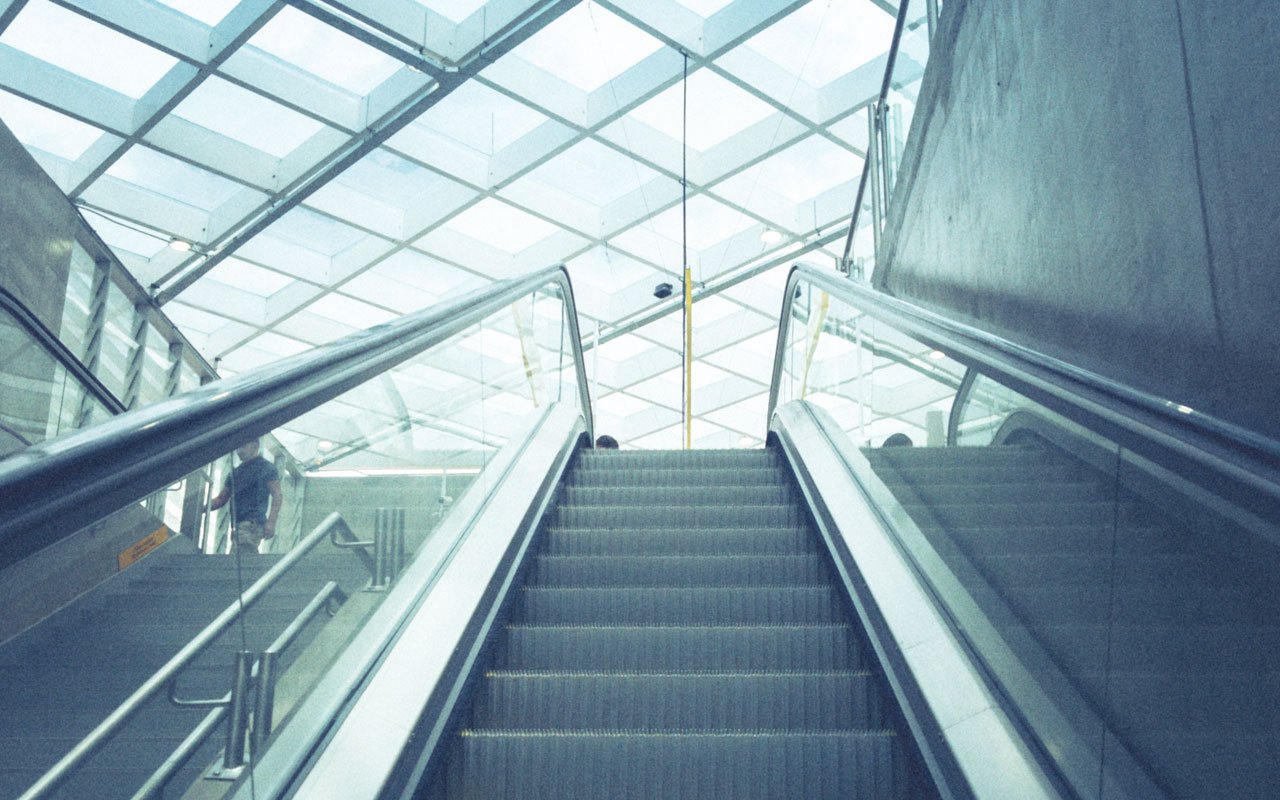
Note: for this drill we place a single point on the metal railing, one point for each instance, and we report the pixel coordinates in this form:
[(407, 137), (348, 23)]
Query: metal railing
[(164, 677), (1201, 447), (56, 488)]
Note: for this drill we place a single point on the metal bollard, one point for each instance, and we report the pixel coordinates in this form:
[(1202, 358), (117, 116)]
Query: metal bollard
[(238, 713)]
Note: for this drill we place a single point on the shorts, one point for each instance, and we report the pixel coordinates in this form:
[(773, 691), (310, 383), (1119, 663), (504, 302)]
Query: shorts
[(249, 535)]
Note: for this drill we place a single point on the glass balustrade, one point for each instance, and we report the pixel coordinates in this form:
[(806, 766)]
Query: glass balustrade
[(1127, 615)]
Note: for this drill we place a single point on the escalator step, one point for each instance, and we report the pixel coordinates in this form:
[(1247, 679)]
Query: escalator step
[(751, 476), (539, 765), (663, 516), (676, 570), (679, 541), (625, 460), (681, 496), (727, 605), (684, 701), (664, 648)]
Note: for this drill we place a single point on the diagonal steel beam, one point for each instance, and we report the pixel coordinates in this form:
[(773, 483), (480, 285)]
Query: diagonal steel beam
[(516, 32), (9, 11)]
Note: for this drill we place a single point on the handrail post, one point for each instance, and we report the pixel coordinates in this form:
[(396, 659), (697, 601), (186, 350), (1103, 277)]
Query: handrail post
[(388, 547), (264, 699), (233, 759)]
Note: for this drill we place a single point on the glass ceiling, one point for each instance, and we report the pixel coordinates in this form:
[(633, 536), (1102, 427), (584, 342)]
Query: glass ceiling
[(335, 163)]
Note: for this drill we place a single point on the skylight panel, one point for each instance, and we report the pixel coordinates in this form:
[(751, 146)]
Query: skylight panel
[(277, 345), (710, 222), (222, 107), (594, 172), (350, 312), (502, 226), (625, 348), (125, 239), (799, 173), (191, 319), (481, 118), (717, 110), (324, 51), (251, 278), (456, 10), (712, 309), (83, 47), (587, 47), (315, 231), (620, 405), (704, 8), (210, 12), (172, 178), (824, 40), (42, 129)]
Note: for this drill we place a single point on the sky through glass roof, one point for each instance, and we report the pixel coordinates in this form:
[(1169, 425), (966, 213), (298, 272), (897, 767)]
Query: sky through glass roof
[(566, 147)]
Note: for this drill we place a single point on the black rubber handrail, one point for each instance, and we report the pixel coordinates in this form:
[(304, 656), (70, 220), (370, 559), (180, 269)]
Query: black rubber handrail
[(58, 351), (49, 491), (1198, 446)]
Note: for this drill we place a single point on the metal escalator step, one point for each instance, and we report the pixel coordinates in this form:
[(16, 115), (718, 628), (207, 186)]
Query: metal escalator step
[(1018, 474), (676, 459), (1032, 513), (663, 648), (676, 570), (786, 515), (680, 541), (721, 605), (1061, 539), (986, 493), (742, 701), (707, 476), (1194, 648), (683, 496), (1096, 569), (935, 457), (541, 765)]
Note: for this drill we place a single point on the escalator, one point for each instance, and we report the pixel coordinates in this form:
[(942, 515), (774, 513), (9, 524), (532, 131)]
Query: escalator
[(1166, 622), (1062, 590), (680, 634)]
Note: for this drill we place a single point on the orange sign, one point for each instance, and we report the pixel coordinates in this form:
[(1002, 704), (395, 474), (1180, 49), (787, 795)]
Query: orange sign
[(143, 546)]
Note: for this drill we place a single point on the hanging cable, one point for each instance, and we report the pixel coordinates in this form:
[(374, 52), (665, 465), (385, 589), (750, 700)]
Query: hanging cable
[(687, 377)]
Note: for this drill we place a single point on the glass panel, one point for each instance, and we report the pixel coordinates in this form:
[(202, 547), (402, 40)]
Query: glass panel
[(117, 343), (412, 440), (74, 328), (41, 398), (1127, 615), (154, 370)]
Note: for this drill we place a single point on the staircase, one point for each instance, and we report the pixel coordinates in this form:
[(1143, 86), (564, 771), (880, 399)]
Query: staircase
[(66, 675), (1160, 624), (680, 636)]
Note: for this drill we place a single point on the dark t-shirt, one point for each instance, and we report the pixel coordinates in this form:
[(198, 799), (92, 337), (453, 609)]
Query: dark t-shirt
[(250, 481)]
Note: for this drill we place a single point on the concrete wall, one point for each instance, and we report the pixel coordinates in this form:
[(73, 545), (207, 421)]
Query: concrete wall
[(37, 227), (1099, 180)]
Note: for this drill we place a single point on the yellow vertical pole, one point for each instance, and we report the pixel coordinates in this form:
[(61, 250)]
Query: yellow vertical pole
[(688, 358)]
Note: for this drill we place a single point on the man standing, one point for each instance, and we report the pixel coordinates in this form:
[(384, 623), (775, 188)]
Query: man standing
[(251, 485)]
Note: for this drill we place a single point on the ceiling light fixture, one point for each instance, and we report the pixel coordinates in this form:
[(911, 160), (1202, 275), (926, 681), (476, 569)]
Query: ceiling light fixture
[(770, 236), (937, 355), (181, 245)]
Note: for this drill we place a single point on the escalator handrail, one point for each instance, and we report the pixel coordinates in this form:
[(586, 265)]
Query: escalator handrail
[(50, 491), (59, 351), (1214, 444)]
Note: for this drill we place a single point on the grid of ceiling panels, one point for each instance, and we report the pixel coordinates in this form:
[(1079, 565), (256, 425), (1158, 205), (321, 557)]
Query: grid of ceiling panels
[(336, 163)]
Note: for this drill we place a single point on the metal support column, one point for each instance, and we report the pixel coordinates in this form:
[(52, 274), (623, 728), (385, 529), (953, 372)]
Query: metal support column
[(95, 332)]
